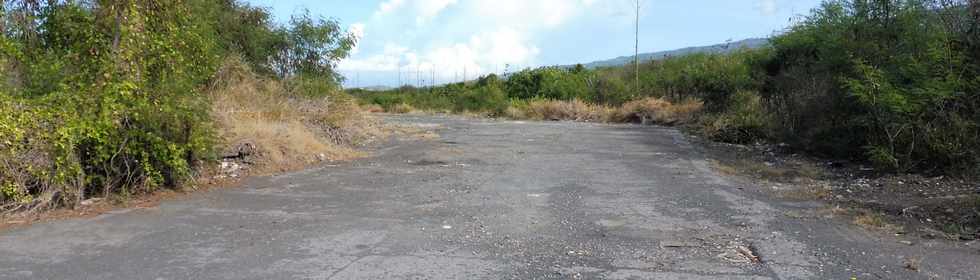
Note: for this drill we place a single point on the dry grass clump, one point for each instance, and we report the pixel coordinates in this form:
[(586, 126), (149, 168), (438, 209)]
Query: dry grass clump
[(660, 111), (575, 110), (288, 131), (373, 108), (516, 113), (875, 221), (402, 109)]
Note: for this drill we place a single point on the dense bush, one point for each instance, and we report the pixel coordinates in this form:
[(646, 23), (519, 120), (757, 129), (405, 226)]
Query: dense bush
[(895, 80), (493, 94), (743, 121), (550, 83), (108, 96), (489, 98), (710, 77)]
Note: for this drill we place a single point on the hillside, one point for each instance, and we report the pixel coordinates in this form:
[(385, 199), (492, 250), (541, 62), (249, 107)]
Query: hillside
[(752, 43)]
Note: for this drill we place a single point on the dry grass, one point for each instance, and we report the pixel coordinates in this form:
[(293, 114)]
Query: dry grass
[(554, 110), (402, 109), (785, 173), (658, 110), (373, 108), (796, 181), (516, 113), (575, 110), (287, 131), (807, 192), (875, 221)]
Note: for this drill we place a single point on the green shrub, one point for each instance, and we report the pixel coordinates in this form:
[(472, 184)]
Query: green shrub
[(743, 122), (894, 80), (490, 99), (709, 77), (108, 97)]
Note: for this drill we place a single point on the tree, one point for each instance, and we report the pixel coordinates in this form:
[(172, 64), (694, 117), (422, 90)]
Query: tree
[(312, 47)]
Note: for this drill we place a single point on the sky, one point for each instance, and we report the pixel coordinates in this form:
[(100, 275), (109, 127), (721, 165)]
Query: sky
[(445, 39)]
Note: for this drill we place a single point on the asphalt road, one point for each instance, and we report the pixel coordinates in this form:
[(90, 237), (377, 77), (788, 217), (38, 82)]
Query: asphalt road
[(486, 200)]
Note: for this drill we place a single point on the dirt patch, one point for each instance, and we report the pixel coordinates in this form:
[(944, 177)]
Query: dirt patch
[(937, 207), (929, 207)]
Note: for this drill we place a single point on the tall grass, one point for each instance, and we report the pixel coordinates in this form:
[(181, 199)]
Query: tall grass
[(288, 129)]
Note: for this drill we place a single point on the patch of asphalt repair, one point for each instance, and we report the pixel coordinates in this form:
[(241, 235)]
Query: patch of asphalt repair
[(486, 200)]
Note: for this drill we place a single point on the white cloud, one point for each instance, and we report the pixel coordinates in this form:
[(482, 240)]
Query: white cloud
[(767, 7), (430, 8), (482, 54), (477, 37), (390, 59), (389, 6), (539, 13), (357, 30), (422, 10), (505, 46)]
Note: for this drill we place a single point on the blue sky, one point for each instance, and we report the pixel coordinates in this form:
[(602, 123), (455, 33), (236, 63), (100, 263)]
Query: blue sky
[(445, 38)]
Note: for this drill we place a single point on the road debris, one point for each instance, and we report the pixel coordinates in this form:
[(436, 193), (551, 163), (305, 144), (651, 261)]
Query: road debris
[(912, 264), (740, 253), (676, 244)]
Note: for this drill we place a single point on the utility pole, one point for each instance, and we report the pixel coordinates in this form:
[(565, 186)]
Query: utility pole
[(636, 50)]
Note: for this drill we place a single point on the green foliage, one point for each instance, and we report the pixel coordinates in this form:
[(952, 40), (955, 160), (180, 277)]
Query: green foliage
[(892, 78), (492, 94), (488, 98), (242, 29), (550, 83), (313, 47), (743, 121), (107, 96), (710, 77)]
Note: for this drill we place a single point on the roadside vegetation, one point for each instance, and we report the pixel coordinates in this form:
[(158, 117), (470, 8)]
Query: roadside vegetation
[(115, 98), (895, 83)]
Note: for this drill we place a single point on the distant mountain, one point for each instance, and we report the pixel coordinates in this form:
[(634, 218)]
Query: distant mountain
[(377, 88), (753, 43)]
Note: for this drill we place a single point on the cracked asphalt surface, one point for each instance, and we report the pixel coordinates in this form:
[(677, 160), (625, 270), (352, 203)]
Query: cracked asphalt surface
[(486, 200)]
